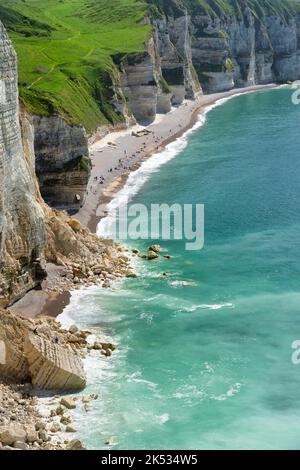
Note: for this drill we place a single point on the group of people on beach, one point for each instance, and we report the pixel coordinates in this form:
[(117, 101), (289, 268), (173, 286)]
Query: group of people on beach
[(126, 162)]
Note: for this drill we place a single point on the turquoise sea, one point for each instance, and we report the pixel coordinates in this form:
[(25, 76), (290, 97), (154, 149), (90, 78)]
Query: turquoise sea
[(208, 366)]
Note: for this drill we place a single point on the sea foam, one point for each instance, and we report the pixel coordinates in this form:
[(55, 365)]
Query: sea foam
[(138, 178)]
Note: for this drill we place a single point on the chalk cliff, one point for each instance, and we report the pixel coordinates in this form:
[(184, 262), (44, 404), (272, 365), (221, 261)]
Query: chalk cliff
[(62, 161), (163, 75), (22, 235), (188, 52), (191, 51), (238, 51)]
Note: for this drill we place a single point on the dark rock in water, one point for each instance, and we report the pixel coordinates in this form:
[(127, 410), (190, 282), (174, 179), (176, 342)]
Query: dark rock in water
[(155, 248), (152, 255)]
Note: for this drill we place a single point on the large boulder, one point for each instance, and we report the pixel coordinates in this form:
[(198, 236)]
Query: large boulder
[(12, 433), (39, 351), (53, 366)]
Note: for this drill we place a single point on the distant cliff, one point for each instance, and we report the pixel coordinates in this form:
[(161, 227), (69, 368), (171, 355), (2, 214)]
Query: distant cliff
[(195, 48)]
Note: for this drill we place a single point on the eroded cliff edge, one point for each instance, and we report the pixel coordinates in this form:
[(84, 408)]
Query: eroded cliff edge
[(22, 229)]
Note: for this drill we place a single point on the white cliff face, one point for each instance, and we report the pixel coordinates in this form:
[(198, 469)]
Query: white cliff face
[(162, 76), (283, 37), (190, 54), (173, 42), (230, 52), (21, 217), (62, 161), (139, 84)]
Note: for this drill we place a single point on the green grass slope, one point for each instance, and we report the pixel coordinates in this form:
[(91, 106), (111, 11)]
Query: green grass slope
[(65, 50)]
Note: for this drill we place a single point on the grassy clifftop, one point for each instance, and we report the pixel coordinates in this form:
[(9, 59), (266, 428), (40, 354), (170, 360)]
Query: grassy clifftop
[(65, 48)]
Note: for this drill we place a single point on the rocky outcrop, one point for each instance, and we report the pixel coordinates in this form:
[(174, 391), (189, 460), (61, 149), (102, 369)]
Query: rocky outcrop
[(39, 352), (51, 366), (62, 162), (23, 427), (84, 257), (22, 234)]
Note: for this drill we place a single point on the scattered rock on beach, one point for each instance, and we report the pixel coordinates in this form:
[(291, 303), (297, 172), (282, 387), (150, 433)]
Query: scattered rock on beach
[(55, 427), (43, 435), (68, 402), (86, 399), (70, 428), (31, 435), (75, 444), (131, 274), (107, 346), (32, 431), (12, 433), (20, 445), (73, 329), (65, 419), (110, 442), (40, 425), (59, 411)]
